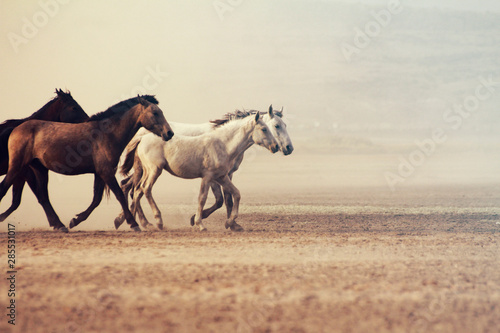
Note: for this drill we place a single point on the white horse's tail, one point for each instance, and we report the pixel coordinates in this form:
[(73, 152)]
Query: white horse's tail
[(128, 163)]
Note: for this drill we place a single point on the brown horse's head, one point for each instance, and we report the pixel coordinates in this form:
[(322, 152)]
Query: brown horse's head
[(151, 118)]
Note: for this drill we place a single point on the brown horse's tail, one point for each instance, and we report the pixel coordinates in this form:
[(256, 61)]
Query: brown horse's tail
[(128, 163), (107, 192)]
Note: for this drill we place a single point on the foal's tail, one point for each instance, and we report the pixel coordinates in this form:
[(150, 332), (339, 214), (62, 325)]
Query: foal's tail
[(128, 163)]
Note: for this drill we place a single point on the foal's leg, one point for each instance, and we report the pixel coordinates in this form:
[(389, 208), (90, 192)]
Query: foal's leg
[(42, 181), (219, 201), (202, 199), (229, 187), (115, 188), (98, 192)]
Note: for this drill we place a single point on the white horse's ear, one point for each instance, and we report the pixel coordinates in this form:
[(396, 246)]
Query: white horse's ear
[(271, 112), (257, 116), (281, 110)]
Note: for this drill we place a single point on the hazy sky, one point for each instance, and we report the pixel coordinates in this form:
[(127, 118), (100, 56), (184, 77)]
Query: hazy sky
[(207, 57)]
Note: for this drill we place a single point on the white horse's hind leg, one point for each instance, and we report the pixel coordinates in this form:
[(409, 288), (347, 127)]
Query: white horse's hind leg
[(228, 186), (138, 193), (202, 199), (154, 207), (149, 178)]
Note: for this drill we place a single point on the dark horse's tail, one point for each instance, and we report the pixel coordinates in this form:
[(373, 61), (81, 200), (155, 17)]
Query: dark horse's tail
[(4, 139), (5, 130), (128, 163)]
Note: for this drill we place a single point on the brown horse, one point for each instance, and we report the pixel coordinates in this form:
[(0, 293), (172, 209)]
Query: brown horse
[(94, 147), (62, 108)]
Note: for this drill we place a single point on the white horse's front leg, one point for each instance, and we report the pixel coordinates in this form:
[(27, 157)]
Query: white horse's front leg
[(228, 186), (202, 199)]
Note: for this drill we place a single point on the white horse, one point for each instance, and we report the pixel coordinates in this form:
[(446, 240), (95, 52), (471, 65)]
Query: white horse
[(273, 120), (210, 156)]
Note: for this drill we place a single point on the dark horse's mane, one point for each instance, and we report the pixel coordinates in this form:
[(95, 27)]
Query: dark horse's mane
[(238, 114), (8, 126), (123, 106), (11, 123)]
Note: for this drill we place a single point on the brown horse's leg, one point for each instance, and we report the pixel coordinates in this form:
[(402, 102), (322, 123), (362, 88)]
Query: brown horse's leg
[(117, 191), (98, 192), (219, 201), (42, 181), (10, 179), (31, 180), (17, 192)]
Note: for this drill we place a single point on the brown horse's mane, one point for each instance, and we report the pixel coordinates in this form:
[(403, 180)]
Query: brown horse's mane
[(238, 114), (123, 106)]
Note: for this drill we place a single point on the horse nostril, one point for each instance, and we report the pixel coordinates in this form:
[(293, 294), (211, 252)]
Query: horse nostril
[(170, 134)]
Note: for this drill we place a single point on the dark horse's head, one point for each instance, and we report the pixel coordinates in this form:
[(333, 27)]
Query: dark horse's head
[(62, 108)]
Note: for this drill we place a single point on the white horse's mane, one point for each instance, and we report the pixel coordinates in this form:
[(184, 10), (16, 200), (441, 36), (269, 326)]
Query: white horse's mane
[(239, 114)]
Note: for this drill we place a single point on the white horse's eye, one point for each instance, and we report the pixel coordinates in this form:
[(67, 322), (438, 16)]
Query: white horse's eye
[(264, 129), (277, 126)]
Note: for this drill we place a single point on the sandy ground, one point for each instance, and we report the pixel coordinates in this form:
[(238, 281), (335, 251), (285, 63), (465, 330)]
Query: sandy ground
[(346, 258)]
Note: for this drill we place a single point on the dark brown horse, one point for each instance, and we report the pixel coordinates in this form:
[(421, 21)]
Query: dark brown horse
[(94, 147), (62, 108)]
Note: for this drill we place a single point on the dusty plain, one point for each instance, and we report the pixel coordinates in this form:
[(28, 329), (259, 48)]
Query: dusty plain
[(327, 247)]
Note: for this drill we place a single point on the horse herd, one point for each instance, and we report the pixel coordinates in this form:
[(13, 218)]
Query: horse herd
[(62, 138)]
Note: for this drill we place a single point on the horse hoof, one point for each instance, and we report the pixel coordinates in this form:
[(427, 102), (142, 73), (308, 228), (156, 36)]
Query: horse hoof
[(136, 229), (192, 220), (203, 229), (160, 226), (148, 226), (236, 227), (118, 223), (64, 230), (72, 224)]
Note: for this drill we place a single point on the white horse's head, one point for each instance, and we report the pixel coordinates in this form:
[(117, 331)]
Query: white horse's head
[(262, 135), (278, 128)]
